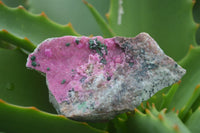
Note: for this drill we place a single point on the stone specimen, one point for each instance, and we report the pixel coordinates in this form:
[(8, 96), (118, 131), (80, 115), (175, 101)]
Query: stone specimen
[(94, 79)]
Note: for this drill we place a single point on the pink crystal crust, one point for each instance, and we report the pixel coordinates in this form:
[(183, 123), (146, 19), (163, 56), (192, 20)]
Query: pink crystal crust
[(72, 63)]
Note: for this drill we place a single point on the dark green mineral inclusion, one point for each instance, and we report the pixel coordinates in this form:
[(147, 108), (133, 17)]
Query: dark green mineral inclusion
[(103, 61), (77, 41), (109, 78), (48, 68), (33, 58), (34, 64), (63, 81), (131, 64), (67, 44)]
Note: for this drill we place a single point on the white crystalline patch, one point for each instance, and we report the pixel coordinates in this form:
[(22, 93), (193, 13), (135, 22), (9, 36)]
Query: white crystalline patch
[(120, 12)]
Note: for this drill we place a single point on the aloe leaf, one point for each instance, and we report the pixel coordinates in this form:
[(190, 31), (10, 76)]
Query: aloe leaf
[(155, 122), (36, 28), (167, 98), (74, 11), (21, 86), (6, 45), (196, 15), (190, 80), (16, 3), (188, 105), (105, 28), (193, 122), (22, 43), (22, 120), (171, 28)]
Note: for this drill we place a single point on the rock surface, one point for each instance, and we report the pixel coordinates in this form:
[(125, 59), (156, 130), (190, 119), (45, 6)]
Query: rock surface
[(94, 79)]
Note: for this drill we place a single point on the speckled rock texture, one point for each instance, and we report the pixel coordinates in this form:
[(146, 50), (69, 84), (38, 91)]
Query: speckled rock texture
[(95, 79)]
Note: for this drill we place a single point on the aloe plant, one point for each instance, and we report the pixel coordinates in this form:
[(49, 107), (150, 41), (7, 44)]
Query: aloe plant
[(24, 105)]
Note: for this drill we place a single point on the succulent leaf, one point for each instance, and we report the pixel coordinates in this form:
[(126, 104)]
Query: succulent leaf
[(22, 43), (167, 98), (188, 105), (191, 79), (193, 122), (74, 11), (16, 3), (173, 29), (37, 28), (30, 119), (156, 122), (105, 28), (196, 14), (21, 86)]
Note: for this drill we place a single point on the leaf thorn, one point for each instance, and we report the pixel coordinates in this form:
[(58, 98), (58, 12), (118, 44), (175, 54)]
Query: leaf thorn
[(34, 108), (4, 30), (21, 7), (160, 117), (2, 101), (43, 14), (176, 128), (107, 15)]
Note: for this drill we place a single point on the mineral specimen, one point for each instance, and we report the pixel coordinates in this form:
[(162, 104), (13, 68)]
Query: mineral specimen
[(94, 79)]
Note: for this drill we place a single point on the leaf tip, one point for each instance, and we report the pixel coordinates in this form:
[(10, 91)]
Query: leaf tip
[(107, 15), (179, 82), (153, 105), (173, 109), (148, 105), (177, 112), (176, 128), (147, 111), (164, 110), (160, 117), (85, 2)]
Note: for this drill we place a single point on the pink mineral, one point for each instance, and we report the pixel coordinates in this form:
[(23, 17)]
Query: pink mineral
[(94, 79)]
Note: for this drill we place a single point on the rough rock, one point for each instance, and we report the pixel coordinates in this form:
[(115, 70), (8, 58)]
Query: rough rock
[(94, 79)]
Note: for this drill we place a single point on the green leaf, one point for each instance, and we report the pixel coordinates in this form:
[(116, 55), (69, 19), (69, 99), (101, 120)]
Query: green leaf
[(189, 81), (15, 3), (36, 28), (23, 120), (193, 122), (74, 11), (105, 28), (188, 105), (169, 22), (22, 43), (155, 122), (196, 14), (19, 85), (167, 98)]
